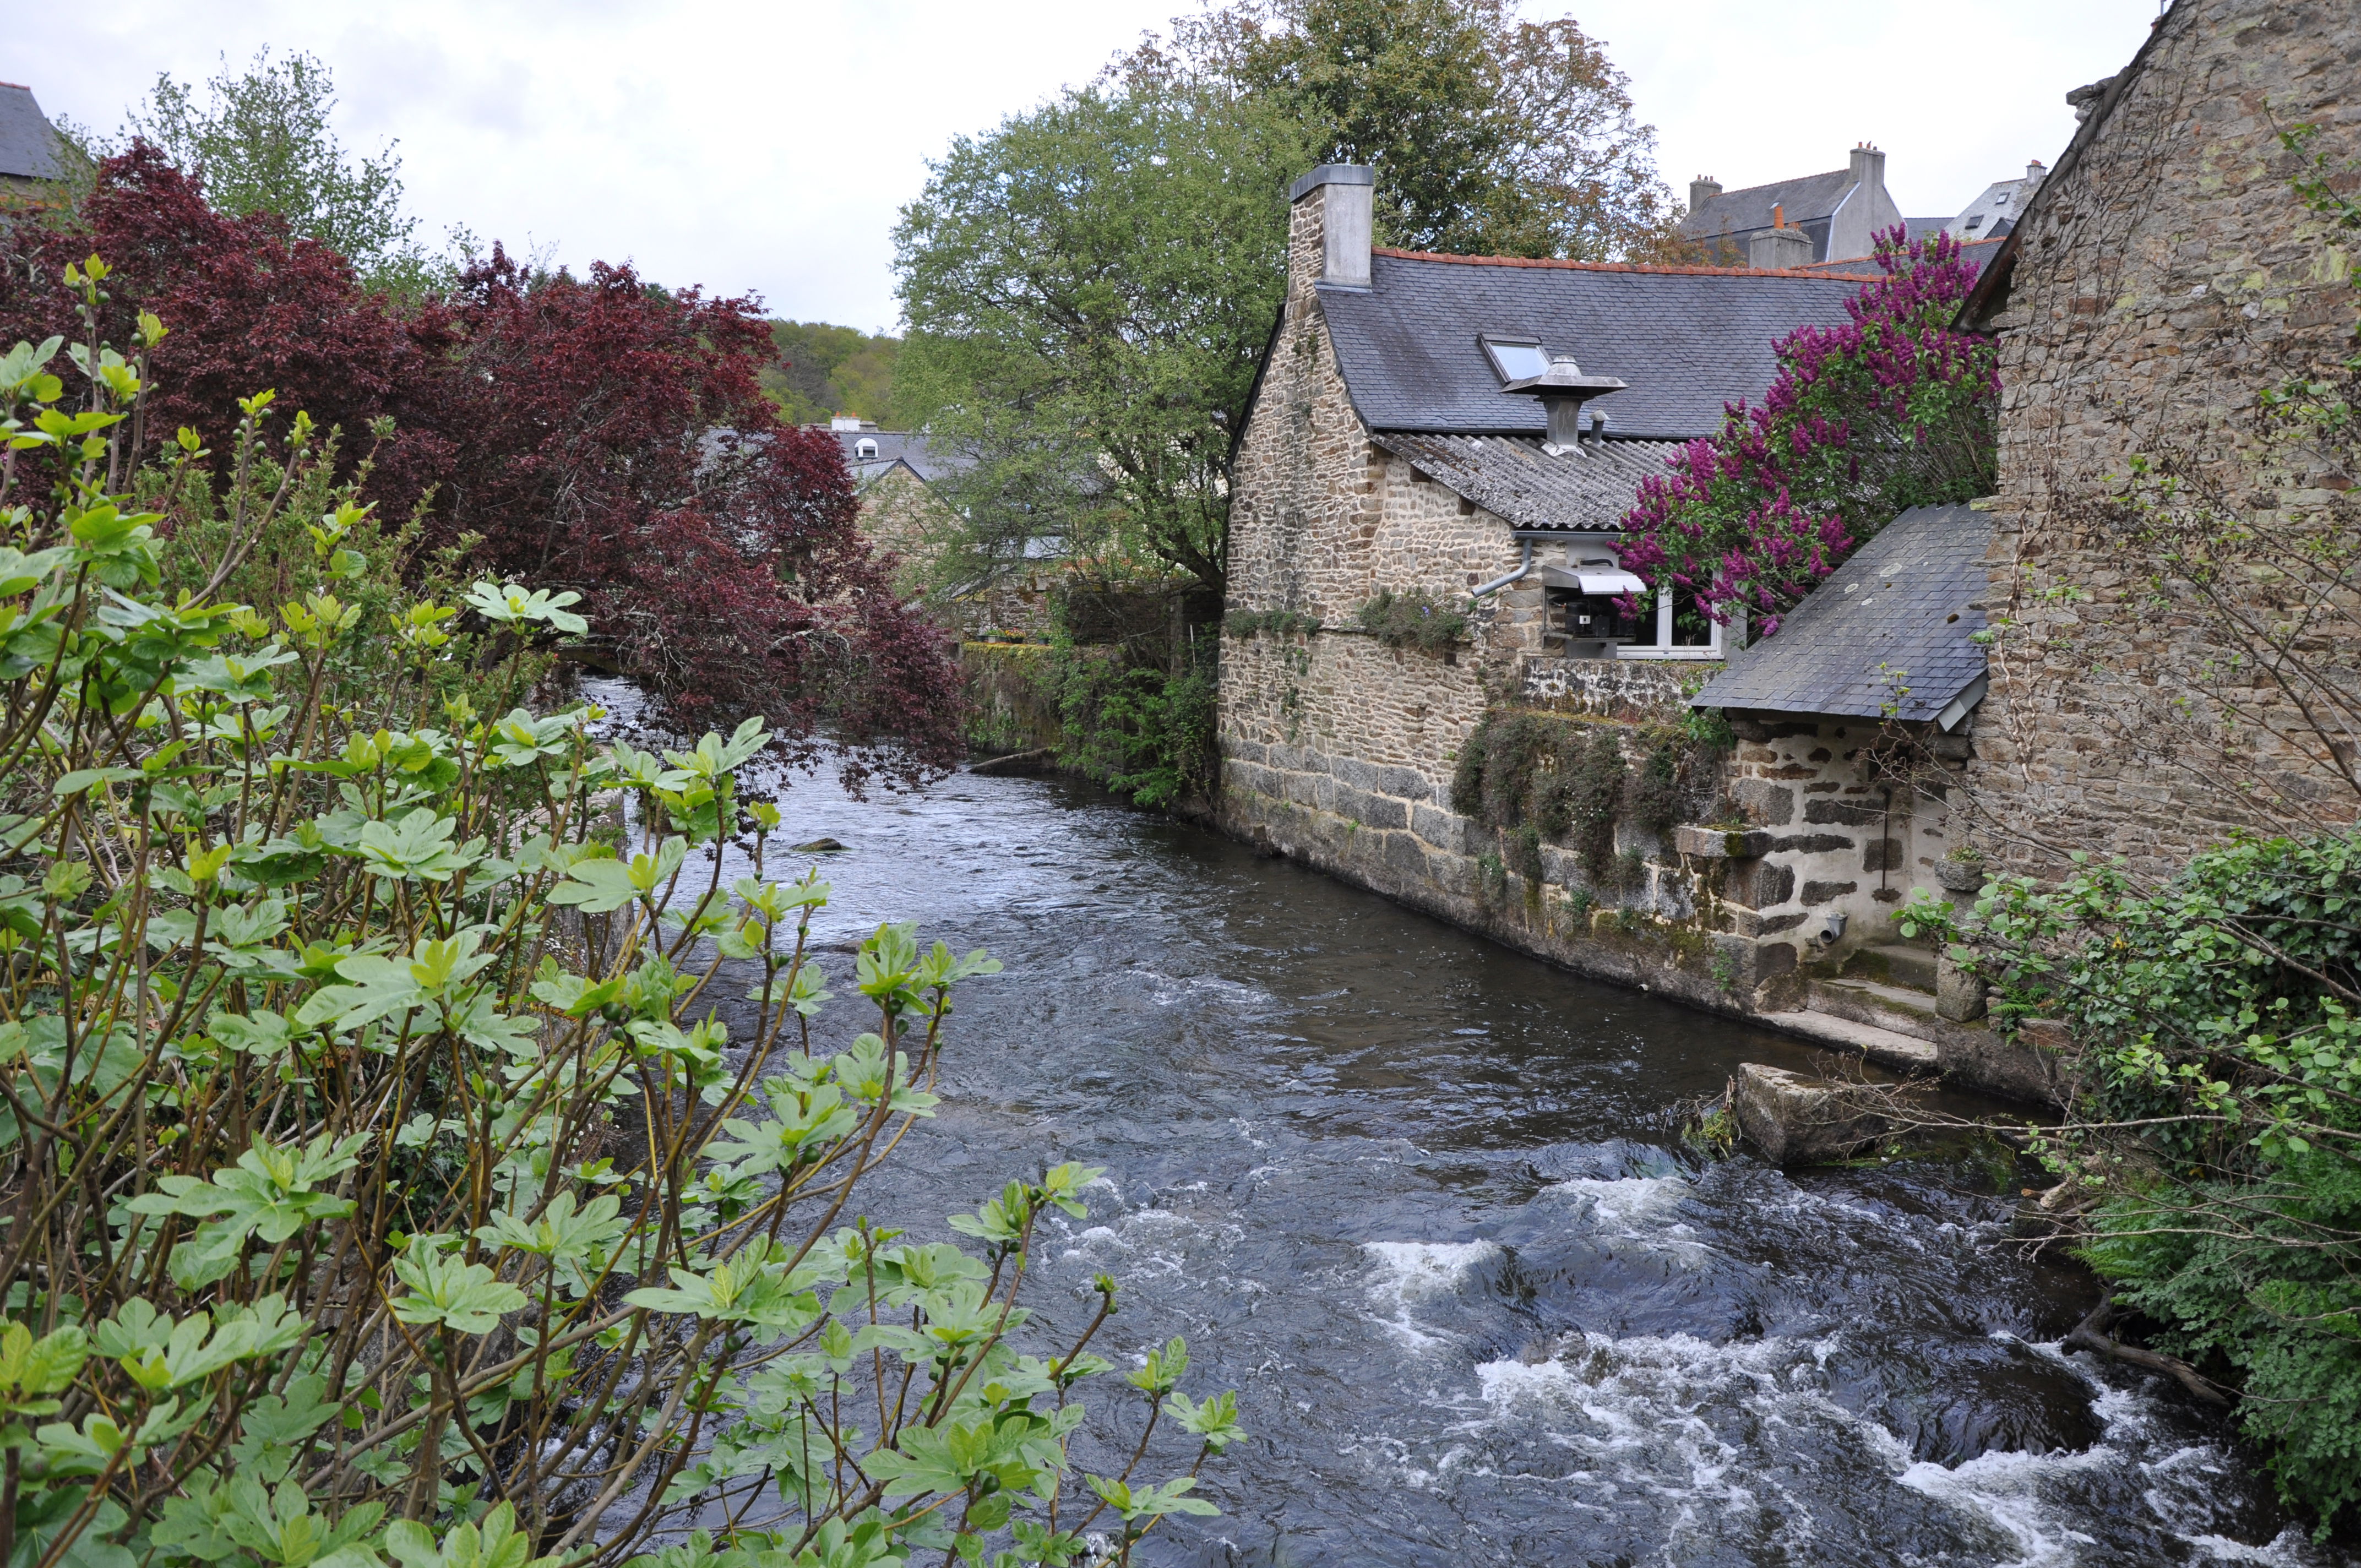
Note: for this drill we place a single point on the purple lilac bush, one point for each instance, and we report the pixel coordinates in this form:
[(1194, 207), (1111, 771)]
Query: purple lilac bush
[(1891, 410)]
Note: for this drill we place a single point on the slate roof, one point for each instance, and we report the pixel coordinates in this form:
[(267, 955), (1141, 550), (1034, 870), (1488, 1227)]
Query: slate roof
[(899, 446), (1689, 339), (1806, 197), (1887, 632), (1511, 476), (1976, 253), (29, 146)]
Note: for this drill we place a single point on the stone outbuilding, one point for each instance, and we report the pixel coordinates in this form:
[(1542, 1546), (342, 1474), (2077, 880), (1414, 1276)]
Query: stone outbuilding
[(1854, 724), (1466, 433)]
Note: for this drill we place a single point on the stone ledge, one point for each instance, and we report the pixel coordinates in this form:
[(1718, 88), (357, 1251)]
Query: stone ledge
[(1883, 1046), (1722, 843)]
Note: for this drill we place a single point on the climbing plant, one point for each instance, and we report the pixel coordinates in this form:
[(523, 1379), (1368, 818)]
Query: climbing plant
[(1412, 618)]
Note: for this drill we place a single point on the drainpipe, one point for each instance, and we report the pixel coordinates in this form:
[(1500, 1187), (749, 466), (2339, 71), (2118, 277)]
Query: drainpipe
[(1503, 581)]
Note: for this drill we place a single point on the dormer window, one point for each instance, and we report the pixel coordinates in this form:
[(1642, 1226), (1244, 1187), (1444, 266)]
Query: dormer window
[(864, 449), (1516, 358)]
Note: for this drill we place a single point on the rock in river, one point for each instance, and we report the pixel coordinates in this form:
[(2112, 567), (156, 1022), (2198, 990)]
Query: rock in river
[(1794, 1119)]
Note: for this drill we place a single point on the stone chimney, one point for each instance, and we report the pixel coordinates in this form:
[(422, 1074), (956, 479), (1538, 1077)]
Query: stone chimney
[(1702, 188), (1866, 210), (2036, 171), (1329, 225), (1781, 245), (1869, 167)]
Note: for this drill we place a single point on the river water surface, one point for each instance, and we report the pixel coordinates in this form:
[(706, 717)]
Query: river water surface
[(1422, 1202)]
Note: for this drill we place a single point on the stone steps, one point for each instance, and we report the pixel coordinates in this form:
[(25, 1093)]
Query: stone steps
[(1893, 1007), (1886, 1048), (1894, 964)]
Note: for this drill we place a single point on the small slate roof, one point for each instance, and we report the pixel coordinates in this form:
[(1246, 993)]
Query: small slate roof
[(28, 145), (1689, 339), (1805, 197), (1886, 635), (1588, 489), (906, 447)]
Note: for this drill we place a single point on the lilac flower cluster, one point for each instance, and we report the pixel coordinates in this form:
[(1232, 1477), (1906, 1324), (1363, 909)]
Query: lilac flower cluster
[(1890, 411)]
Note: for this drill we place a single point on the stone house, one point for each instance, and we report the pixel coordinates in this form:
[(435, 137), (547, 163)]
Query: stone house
[(1473, 430), (1994, 213), (1834, 214), (2165, 276)]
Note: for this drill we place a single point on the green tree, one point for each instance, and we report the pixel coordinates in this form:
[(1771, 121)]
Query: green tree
[(1490, 135), (262, 143), (823, 370), (1088, 288)]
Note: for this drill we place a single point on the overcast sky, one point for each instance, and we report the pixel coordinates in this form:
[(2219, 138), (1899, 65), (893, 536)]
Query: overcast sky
[(767, 147)]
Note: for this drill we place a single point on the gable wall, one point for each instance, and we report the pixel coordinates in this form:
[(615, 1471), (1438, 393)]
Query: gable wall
[(2168, 276), (1332, 745)]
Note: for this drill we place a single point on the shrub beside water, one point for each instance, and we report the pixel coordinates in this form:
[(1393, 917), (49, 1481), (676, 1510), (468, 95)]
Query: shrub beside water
[(2217, 1022), (397, 1166)]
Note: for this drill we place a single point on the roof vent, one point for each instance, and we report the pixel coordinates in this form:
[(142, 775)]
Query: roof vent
[(1562, 389)]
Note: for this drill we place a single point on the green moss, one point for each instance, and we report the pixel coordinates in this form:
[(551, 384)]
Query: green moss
[(1412, 619)]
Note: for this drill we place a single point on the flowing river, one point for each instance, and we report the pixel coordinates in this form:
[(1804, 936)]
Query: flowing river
[(1423, 1202)]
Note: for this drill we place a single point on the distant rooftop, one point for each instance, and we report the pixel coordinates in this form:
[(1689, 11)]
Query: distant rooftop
[(869, 451), (29, 148)]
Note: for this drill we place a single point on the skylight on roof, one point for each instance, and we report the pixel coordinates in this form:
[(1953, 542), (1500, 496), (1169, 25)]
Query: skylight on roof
[(1516, 358)]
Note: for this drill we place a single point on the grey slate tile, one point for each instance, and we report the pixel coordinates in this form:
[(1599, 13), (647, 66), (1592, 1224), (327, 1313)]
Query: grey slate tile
[(1688, 341), (1889, 631)]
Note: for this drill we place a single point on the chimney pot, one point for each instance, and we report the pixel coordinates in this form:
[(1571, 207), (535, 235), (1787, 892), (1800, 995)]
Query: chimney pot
[(1562, 389)]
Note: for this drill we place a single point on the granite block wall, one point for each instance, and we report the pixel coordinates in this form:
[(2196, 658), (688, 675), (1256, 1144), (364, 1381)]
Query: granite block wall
[(2167, 277)]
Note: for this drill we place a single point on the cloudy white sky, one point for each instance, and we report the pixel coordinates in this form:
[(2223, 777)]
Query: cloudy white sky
[(767, 147)]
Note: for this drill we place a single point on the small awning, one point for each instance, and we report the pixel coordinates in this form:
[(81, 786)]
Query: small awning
[(1593, 579)]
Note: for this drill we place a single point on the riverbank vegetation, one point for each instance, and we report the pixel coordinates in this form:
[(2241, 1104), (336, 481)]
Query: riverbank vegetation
[(1122, 692), (409, 1153), (2214, 1149), (1537, 778)]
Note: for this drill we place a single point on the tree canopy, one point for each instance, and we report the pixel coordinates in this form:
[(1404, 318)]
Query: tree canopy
[(821, 370), (1088, 288), (261, 142), (598, 434), (1490, 135), (1090, 285)]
